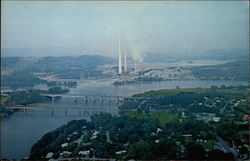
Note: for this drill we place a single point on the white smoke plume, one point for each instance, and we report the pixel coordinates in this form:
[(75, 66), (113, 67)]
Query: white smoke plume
[(133, 45)]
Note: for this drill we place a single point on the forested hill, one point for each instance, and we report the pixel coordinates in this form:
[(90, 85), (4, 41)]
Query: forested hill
[(52, 64), (219, 54), (66, 63), (237, 70), (20, 71)]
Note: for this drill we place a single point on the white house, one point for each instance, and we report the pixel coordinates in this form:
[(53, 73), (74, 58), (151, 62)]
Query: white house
[(49, 155), (87, 152), (94, 135), (64, 145), (121, 152), (216, 119), (65, 153), (159, 130)]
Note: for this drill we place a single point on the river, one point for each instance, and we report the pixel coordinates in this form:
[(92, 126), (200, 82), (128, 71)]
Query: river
[(21, 130)]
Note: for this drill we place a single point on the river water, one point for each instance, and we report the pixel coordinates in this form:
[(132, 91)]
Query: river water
[(21, 130)]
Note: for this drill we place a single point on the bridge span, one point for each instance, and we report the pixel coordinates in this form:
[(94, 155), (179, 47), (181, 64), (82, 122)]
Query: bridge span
[(81, 110), (95, 98)]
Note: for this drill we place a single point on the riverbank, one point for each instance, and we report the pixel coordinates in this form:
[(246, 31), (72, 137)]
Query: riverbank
[(17, 108), (25, 99)]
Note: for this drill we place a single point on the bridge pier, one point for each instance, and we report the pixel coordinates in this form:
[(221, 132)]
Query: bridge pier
[(94, 99), (53, 98), (80, 112), (66, 112), (86, 99), (52, 111), (25, 112)]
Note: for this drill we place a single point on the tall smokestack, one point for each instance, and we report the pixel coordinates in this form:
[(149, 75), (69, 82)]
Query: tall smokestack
[(125, 59), (120, 56)]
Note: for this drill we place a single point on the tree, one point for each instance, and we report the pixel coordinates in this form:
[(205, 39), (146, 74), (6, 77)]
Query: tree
[(219, 155), (167, 149), (195, 152), (133, 138), (143, 150)]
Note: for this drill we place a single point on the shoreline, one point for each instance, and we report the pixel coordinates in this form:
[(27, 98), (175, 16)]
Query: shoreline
[(17, 108)]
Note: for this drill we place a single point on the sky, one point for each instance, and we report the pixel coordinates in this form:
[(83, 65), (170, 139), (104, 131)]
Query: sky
[(185, 27)]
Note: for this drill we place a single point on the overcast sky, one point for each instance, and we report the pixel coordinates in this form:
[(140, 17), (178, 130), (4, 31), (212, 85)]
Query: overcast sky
[(93, 27)]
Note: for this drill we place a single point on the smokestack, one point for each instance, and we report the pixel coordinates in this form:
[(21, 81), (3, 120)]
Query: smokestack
[(125, 59), (120, 56)]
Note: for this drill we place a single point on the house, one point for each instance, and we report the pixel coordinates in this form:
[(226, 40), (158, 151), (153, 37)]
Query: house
[(216, 119), (94, 135), (157, 141), (64, 145), (187, 135), (86, 152), (183, 115), (218, 101), (199, 140), (159, 130), (236, 104), (49, 155), (65, 153), (121, 152)]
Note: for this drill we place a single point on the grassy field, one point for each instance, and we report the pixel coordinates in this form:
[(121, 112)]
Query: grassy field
[(163, 118), (188, 90)]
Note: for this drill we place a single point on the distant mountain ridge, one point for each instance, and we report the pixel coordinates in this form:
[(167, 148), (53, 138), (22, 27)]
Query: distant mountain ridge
[(219, 54), (222, 54), (54, 64), (42, 52)]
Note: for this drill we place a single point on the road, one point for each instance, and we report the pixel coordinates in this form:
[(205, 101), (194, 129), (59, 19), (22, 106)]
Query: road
[(230, 150), (223, 108), (108, 137), (225, 146)]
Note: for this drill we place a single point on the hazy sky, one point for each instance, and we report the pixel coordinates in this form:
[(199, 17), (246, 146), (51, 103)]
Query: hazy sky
[(93, 27)]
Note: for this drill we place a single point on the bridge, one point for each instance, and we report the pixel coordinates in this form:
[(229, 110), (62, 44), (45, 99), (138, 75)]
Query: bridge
[(95, 98), (81, 110)]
